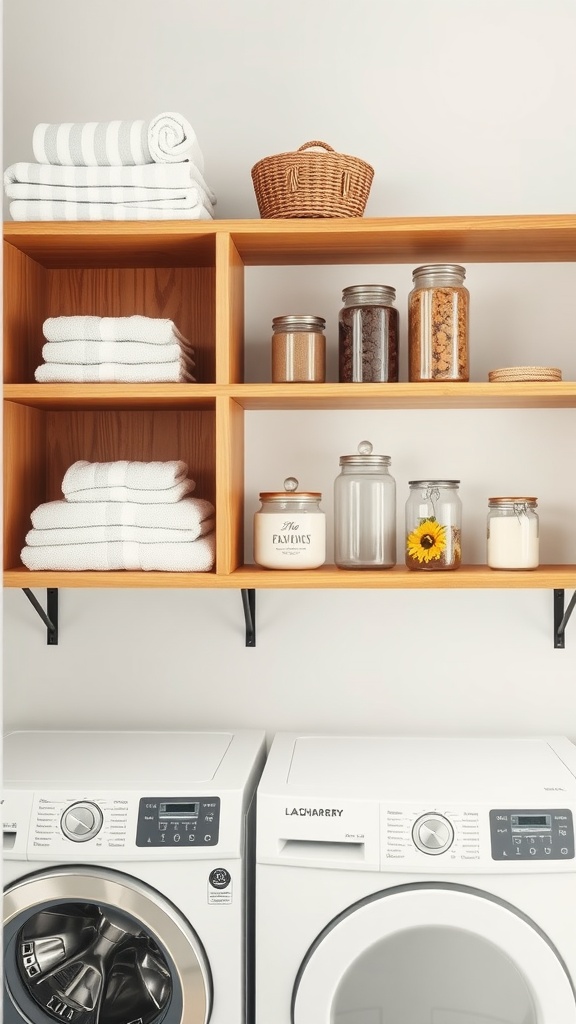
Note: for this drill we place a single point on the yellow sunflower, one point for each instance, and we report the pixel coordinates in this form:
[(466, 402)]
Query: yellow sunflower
[(427, 541)]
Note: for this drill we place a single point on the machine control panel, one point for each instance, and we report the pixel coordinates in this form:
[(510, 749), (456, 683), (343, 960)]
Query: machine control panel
[(433, 833), (532, 834), (178, 821), (81, 821)]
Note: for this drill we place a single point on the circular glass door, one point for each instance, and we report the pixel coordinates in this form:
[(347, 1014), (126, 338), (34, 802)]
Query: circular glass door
[(439, 954), (99, 947)]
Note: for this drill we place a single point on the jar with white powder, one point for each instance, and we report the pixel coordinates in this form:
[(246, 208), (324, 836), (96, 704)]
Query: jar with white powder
[(290, 529), (513, 533)]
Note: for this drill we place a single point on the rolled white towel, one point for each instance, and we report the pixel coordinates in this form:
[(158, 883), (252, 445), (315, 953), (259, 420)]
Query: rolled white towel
[(114, 373), (148, 329), (91, 352), (152, 476), (47, 210), (135, 534), (197, 556), (188, 514), (156, 176), (167, 138)]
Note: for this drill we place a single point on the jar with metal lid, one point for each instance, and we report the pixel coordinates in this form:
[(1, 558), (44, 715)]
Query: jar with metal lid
[(365, 511), (368, 334), (298, 349), (438, 315), (512, 533), (433, 525), (290, 529)]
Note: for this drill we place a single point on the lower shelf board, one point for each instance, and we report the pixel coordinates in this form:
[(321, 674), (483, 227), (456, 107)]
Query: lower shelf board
[(467, 577)]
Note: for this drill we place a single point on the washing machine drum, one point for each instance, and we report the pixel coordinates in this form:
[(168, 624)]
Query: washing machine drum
[(99, 947)]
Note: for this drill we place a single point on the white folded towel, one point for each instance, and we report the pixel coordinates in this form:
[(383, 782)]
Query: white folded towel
[(147, 198), (114, 373), (141, 495), (153, 476), (134, 534), (45, 210), (167, 138), (88, 352), (197, 556), (148, 329), (188, 514), (156, 176)]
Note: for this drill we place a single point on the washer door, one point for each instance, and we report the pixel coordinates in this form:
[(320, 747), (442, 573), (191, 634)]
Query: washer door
[(99, 947), (439, 954)]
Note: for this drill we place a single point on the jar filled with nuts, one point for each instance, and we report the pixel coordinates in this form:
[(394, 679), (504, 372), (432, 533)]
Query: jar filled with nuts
[(368, 334), (433, 525), (438, 312)]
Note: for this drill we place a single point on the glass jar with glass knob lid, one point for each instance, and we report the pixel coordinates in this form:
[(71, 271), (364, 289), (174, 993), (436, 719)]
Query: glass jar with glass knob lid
[(365, 511), (512, 533), (433, 525), (290, 529)]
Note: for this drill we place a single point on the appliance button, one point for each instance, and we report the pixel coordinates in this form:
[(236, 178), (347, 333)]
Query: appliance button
[(433, 834), (81, 821)]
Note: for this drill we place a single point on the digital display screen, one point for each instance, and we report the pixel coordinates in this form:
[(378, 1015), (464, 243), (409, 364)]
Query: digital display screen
[(172, 810), (533, 819)]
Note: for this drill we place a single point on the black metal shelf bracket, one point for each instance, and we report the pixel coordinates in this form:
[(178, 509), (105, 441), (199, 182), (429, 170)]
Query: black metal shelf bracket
[(561, 617), (50, 616), (249, 604)]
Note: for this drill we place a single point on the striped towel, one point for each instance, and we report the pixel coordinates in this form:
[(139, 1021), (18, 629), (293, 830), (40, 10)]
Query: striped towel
[(148, 329), (155, 198), (167, 138), (196, 556), (113, 373), (132, 534), (44, 210), (153, 176)]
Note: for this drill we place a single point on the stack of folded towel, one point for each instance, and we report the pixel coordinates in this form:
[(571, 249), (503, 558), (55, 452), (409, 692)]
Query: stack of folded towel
[(112, 170), (121, 348), (123, 515)]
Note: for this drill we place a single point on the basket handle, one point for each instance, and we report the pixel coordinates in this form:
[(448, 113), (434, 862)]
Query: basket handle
[(307, 145)]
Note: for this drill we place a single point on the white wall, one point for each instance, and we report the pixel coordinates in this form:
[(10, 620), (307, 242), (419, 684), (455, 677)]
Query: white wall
[(462, 107)]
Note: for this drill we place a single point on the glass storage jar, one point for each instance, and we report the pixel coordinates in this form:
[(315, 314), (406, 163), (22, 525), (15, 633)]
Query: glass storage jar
[(298, 349), (438, 314), (512, 533), (433, 525), (290, 529), (365, 511), (368, 334)]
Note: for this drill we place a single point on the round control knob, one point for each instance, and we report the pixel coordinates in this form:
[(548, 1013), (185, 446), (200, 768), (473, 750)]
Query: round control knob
[(81, 821), (433, 834)]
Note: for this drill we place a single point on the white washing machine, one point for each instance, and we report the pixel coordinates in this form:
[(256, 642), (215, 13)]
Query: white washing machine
[(416, 881), (127, 876)]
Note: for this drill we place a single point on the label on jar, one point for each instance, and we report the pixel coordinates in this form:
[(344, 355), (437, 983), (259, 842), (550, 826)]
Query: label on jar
[(292, 541)]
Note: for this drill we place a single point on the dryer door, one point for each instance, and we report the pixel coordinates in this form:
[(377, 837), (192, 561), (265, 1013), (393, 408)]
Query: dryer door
[(433, 953), (99, 947)]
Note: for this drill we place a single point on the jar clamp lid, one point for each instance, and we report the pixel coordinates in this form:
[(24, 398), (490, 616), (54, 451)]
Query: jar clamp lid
[(433, 483), (365, 457), (290, 493), (513, 501)]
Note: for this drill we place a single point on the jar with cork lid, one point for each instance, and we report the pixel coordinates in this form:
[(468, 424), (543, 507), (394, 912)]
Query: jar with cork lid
[(290, 529), (298, 349)]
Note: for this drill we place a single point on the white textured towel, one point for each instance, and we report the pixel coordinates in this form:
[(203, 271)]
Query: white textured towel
[(148, 329), (45, 210), (141, 495), (147, 198), (197, 556), (189, 514), (114, 373), (149, 176), (167, 138), (134, 534), (153, 476), (88, 352)]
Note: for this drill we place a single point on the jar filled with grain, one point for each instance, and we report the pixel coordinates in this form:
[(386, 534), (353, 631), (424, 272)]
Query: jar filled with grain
[(438, 314), (433, 525), (512, 533), (368, 334), (298, 349), (290, 529)]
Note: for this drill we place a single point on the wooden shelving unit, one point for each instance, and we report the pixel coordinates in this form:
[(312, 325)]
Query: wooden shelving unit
[(194, 274)]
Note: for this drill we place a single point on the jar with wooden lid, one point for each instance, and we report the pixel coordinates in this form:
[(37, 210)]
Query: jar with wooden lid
[(298, 349), (368, 334), (433, 525), (438, 317), (512, 533), (290, 529)]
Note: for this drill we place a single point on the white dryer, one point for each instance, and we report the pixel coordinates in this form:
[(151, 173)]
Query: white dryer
[(127, 876), (416, 881)]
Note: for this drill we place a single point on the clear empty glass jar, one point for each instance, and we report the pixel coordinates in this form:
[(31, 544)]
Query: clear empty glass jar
[(365, 511), (433, 525), (290, 529), (368, 334), (512, 533), (438, 312)]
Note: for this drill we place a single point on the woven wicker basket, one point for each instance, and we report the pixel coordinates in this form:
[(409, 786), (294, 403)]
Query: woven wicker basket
[(312, 184)]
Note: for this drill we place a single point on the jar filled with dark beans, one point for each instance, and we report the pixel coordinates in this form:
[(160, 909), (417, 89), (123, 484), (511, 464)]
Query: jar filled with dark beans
[(368, 334)]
